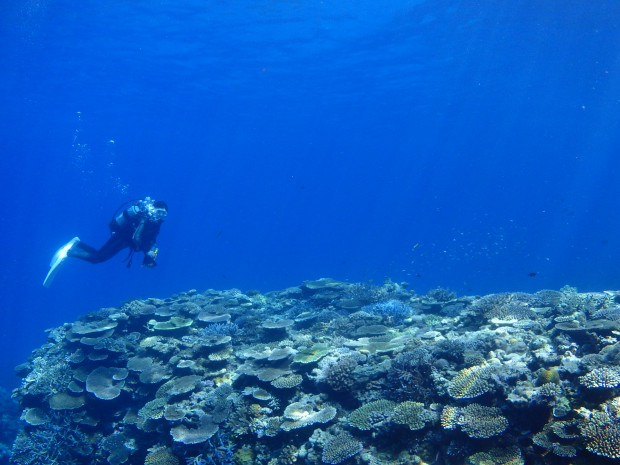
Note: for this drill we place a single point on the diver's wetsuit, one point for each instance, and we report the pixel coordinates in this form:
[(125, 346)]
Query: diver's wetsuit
[(132, 229)]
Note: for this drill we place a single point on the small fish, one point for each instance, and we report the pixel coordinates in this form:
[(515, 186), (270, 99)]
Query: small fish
[(532, 274)]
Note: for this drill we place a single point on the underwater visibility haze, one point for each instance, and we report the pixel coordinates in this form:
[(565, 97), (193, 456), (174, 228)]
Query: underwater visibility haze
[(420, 153)]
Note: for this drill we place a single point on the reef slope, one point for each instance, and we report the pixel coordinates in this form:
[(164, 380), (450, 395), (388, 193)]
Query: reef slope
[(329, 372)]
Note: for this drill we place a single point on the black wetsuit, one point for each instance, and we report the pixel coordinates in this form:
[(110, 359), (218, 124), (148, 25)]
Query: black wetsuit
[(132, 229)]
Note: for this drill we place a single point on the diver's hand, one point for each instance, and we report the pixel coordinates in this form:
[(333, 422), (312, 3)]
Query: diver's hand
[(149, 259)]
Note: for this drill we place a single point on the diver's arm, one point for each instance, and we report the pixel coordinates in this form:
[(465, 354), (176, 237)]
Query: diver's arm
[(150, 257), (150, 244)]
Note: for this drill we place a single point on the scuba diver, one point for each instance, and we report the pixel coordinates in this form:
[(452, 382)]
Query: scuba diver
[(136, 228)]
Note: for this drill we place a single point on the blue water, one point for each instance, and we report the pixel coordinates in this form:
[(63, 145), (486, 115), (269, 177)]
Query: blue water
[(444, 143)]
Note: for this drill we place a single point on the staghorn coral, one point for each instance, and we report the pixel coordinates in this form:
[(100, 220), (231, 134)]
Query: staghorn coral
[(48, 376), (56, 441), (218, 450)]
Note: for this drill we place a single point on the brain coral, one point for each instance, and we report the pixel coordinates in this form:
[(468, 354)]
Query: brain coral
[(339, 448)]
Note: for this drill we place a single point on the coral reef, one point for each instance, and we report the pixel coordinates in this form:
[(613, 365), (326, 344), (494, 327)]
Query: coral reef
[(327, 373), (339, 448), (9, 424)]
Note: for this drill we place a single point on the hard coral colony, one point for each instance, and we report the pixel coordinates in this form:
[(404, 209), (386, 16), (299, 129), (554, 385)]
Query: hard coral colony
[(329, 372)]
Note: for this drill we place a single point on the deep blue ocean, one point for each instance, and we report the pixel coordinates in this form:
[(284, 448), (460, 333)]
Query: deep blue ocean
[(472, 145)]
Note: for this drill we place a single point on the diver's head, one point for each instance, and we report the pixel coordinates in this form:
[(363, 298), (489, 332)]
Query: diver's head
[(160, 210), (160, 204), (156, 210)]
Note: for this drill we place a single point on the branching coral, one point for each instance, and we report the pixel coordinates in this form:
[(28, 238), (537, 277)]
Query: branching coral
[(470, 382), (601, 429), (339, 448), (477, 421), (340, 375), (393, 311)]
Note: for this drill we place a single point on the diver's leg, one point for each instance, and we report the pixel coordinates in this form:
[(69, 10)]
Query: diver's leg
[(85, 252), (114, 245)]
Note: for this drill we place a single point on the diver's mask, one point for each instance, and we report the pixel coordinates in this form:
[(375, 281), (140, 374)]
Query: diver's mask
[(154, 213)]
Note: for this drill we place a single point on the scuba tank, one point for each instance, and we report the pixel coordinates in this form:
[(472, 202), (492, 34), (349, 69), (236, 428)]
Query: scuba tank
[(118, 221)]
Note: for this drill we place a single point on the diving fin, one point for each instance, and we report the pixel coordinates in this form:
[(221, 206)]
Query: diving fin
[(57, 260)]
